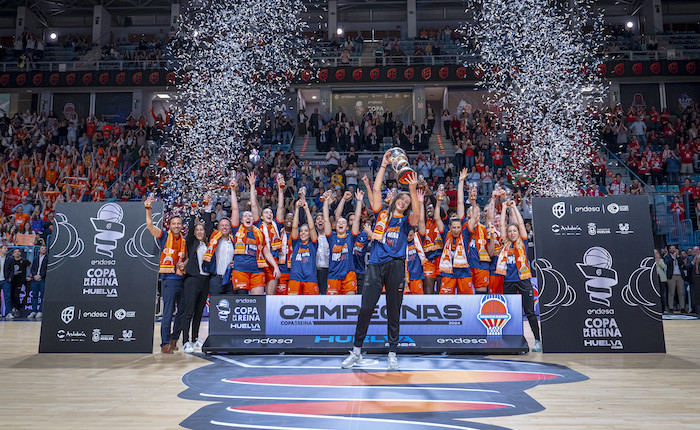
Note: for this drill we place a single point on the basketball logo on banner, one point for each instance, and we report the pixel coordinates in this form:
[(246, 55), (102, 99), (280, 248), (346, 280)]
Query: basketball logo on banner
[(109, 228), (601, 278), (493, 314)]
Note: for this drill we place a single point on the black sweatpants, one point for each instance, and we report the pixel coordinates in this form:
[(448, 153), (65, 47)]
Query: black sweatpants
[(16, 289), (524, 288), (196, 290), (322, 279), (392, 276)]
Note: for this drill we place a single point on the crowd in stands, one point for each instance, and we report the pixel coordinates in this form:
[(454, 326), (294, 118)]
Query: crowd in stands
[(151, 52), (46, 160)]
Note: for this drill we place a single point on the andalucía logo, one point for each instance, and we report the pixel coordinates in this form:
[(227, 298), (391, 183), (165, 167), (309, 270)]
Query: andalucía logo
[(494, 314), (292, 392)]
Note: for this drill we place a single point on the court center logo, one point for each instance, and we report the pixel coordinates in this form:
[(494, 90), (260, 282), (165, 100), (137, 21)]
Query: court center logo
[(109, 228), (288, 392), (559, 210), (601, 277), (494, 314)]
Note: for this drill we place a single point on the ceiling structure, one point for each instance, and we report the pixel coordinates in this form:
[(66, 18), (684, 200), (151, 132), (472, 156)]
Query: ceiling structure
[(51, 12)]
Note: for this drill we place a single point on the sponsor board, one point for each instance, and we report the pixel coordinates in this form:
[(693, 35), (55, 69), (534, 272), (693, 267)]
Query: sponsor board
[(301, 323), (102, 275), (599, 285)]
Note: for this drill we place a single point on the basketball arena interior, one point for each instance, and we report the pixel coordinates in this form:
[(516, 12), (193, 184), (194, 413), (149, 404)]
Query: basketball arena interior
[(344, 214)]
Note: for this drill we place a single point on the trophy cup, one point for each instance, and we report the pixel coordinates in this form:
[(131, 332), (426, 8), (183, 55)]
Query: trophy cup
[(473, 192), (399, 161), (441, 192)]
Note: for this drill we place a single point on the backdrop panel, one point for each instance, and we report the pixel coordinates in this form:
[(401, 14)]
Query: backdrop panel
[(644, 95), (595, 267), (71, 106), (679, 96), (358, 103), (101, 280), (114, 107)]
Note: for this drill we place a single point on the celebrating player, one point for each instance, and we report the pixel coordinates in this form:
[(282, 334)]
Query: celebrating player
[(387, 261), (341, 268), (454, 266), (271, 230), (512, 263), (303, 276), (250, 255)]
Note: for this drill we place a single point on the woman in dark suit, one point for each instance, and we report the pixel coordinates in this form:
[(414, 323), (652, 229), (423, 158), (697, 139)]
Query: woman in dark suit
[(196, 284)]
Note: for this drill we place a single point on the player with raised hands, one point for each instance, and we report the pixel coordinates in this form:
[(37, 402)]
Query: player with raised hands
[(341, 268), (302, 275), (512, 263)]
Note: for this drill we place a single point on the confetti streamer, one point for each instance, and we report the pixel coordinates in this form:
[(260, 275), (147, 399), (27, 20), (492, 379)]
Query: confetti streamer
[(540, 64), (237, 59)]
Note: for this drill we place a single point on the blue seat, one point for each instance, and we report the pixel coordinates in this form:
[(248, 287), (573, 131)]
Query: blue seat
[(661, 188), (674, 189)]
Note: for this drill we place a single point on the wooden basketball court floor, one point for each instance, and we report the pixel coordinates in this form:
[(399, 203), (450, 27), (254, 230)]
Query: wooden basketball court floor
[(136, 391)]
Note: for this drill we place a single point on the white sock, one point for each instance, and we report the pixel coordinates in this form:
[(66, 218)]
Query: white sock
[(356, 350)]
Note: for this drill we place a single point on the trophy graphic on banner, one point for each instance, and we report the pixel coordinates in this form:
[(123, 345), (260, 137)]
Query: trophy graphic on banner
[(399, 161)]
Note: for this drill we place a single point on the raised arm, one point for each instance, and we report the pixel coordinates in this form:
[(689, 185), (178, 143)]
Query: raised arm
[(504, 221), (436, 215), (412, 179), (460, 193), (235, 215), (376, 201), (421, 218), (155, 231), (359, 196), (518, 218), (365, 180), (295, 221), (341, 205), (312, 228), (327, 228), (474, 216), (254, 207), (280, 203)]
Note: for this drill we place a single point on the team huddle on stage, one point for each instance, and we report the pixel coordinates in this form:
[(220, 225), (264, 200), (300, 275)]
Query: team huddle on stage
[(412, 249)]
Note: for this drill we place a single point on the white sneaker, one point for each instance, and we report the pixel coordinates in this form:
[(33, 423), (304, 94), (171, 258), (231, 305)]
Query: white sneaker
[(39, 315), (537, 347), (351, 360), (31, 315), (188, 348), (9, 317), (198, 344), (393, 363)]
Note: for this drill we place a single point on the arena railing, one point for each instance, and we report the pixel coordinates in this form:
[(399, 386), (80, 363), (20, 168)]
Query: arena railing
[(329, 61), (71, 66)]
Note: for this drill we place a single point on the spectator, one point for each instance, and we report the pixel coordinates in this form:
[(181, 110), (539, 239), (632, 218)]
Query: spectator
[(332, 160), (38, 280)]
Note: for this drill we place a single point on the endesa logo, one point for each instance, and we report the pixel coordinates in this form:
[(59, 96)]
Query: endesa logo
[(461, 340), (338, 314), (267, 341)]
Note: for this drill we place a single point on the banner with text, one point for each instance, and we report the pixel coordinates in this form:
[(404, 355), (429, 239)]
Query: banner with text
[(322, 322), (594, 265), (101, 280)]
